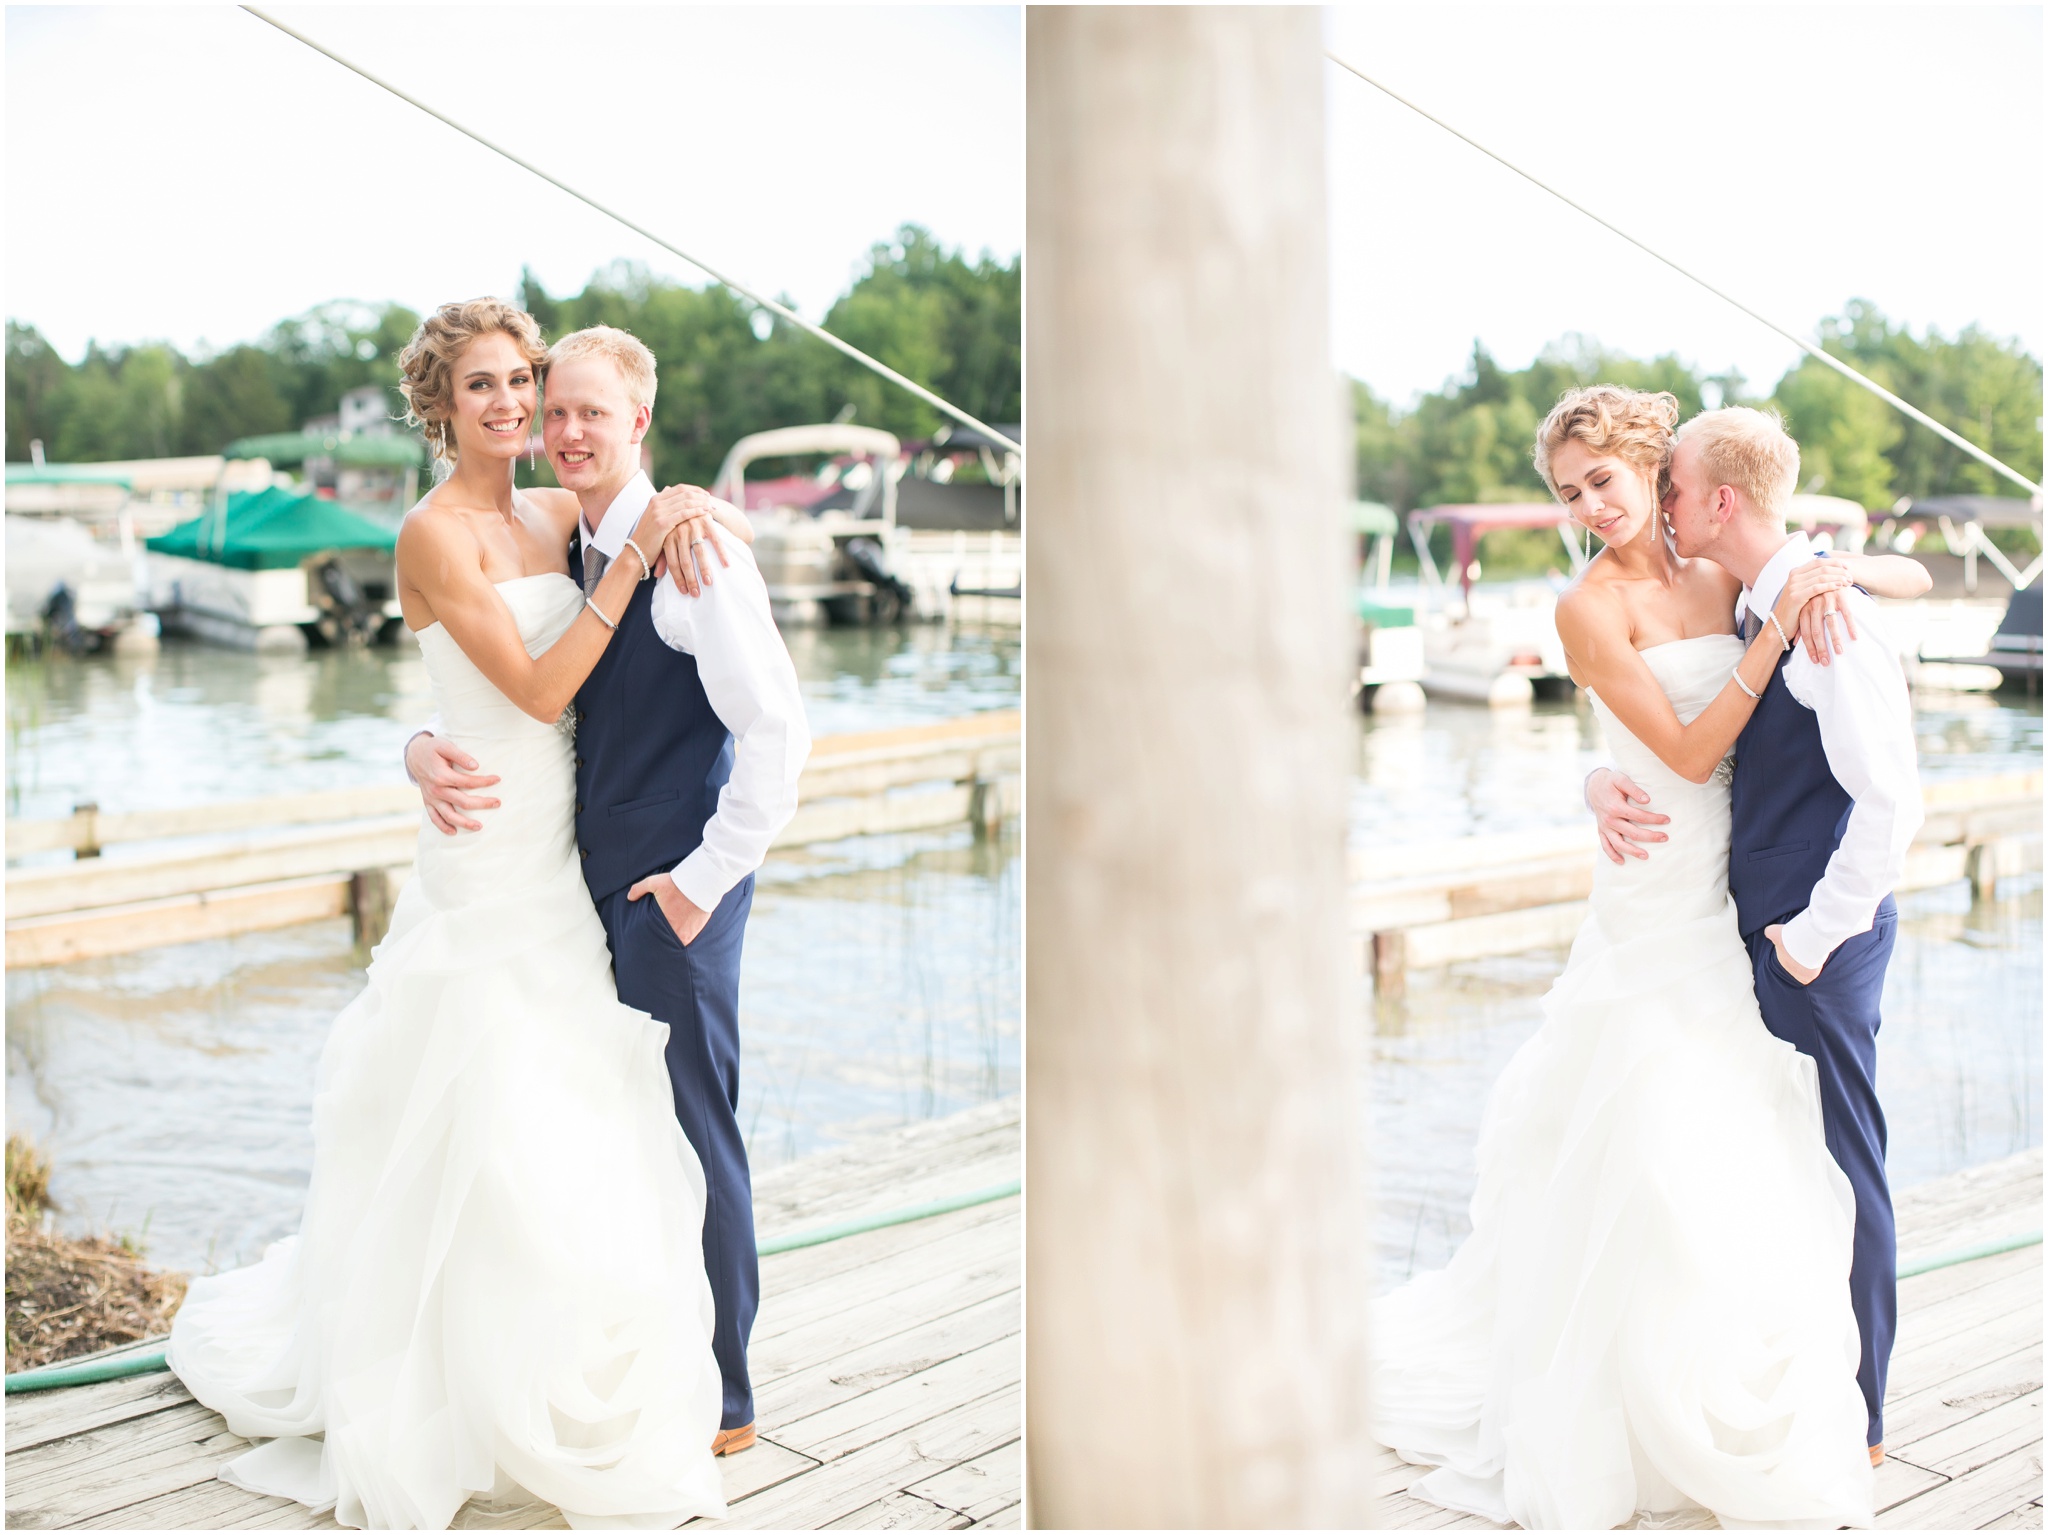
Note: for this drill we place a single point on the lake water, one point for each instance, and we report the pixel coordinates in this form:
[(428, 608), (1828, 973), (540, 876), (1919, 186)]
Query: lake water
[(881, 982), (1959, 1058)]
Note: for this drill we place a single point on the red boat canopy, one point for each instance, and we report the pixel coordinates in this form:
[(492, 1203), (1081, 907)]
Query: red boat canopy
[(1469, 523)]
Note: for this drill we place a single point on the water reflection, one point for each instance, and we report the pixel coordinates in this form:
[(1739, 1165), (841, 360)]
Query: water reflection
[(195, 724), (1461, 771)]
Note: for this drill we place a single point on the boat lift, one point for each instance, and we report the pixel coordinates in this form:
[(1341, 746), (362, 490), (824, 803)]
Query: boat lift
[(1962, 520), (822, 560), (1470, 523)]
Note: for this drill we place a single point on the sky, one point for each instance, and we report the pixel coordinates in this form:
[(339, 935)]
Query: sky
[(190, 174), (1795, 156)]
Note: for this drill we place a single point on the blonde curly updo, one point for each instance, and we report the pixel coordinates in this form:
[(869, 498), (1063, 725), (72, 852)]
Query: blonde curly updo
[(1635, 426), (427, 365)]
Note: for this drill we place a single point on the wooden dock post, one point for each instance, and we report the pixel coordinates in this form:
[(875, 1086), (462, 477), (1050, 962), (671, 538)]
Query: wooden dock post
[(371, 895), (1198, 1247), (1390, 963)]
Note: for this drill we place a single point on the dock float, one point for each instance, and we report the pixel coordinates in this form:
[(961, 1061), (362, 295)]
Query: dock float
[(1963, 1403), (263, 864), (888, 1370), (1420, 905)]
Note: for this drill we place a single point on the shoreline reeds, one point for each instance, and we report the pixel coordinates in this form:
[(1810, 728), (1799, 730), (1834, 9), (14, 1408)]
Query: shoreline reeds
[(68, 1296)]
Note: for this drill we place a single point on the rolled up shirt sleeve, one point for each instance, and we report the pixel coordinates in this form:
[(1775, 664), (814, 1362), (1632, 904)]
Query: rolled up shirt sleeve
[(1866, 730), (431, 728), (752, 687)]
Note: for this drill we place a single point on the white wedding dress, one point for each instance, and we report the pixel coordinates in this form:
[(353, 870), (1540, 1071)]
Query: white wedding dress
[(1652, 1312), (498, 1286)]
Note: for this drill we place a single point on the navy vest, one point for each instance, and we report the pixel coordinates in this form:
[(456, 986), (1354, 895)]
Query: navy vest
[(1788, 811), (651, 753)]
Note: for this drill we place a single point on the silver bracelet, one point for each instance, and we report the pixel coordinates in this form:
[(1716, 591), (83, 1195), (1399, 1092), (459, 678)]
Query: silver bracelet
[(1752, 692), (1773, 617), (646, 569), (588, 603)]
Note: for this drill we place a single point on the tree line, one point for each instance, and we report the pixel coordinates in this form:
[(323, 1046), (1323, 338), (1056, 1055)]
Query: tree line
[(725, 370), (1472, 440)]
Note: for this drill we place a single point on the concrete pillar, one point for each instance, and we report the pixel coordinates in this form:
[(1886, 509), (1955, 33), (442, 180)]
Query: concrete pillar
[(1197, 1246)]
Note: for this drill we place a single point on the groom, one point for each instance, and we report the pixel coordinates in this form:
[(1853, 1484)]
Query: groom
[(689, 741), (1825, 802)]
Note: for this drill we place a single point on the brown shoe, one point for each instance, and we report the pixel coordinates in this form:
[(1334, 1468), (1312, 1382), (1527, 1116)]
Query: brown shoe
[(1877, 1455), (731, 1441)]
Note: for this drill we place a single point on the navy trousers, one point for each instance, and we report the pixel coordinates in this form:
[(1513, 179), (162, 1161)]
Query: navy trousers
[(1835, 1021), (695, 990)]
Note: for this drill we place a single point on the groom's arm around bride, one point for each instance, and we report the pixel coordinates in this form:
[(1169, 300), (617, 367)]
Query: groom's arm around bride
[(1865, 717)]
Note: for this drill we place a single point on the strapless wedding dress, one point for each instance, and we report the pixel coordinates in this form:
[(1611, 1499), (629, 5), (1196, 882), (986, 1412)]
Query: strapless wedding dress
[(1652, 1311), (498, 1286)]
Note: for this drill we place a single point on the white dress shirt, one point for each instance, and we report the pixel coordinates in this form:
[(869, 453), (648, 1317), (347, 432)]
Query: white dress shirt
[(752, 686), (1866, 730)]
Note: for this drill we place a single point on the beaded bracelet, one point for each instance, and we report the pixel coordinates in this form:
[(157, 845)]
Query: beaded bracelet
[(646, 569)]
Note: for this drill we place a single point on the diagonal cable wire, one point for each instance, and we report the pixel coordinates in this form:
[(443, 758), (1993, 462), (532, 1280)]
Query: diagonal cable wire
[(1804, 345), (717, 276)]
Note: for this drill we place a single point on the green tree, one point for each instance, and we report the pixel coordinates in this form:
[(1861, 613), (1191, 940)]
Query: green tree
[(929, 312), (1845, 434), (240, 393), (35, 377), (726, 370), (1987, 390)]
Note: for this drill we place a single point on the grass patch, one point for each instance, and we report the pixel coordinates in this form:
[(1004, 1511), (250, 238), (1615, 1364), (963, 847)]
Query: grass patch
[(68, 1296)]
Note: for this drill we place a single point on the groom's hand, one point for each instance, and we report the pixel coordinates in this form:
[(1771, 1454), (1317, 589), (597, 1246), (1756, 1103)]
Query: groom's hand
[(448, 779), (684, 914), (1622, 813), (1805, 977)]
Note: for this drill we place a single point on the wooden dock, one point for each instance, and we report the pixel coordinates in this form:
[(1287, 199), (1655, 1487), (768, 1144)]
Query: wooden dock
[(887, 1371), (270, 863), (1426, 904), (1963, 1404)]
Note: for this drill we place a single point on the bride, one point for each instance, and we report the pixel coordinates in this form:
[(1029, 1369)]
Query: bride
[(1652, 1313), (498, 1285)]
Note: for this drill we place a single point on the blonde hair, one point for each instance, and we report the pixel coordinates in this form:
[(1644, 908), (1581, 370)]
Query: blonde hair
[(427, 365), (1749, 450), (1635, 426), (622, 349)]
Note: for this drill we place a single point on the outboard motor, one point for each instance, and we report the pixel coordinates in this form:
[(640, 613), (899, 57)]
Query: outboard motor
[(893, 598), (351, 617), (60, 620)]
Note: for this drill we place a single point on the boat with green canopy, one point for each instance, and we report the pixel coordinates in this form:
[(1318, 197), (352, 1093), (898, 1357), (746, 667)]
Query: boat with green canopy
[(276, 569)]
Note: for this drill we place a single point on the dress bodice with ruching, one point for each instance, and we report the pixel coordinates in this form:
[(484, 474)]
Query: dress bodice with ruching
[(528, 841), (1685, 878), (470, 705)]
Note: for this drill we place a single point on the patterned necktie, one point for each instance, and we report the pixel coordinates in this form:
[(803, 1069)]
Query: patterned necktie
[(1751, 624), (594, 562)]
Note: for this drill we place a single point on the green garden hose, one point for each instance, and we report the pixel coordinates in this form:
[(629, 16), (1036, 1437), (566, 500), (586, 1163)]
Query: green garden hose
[(1965, 1254), (88, 1372)]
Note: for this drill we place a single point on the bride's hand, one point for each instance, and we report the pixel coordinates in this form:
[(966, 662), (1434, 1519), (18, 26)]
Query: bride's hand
[(660, 519), (678, 556), (1821, 625), (1808, 606)]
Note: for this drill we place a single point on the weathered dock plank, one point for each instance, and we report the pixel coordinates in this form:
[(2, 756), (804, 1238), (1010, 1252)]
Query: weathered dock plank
[(290, 859), (1963, 1404), (888, 1373), (1440, 903)]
